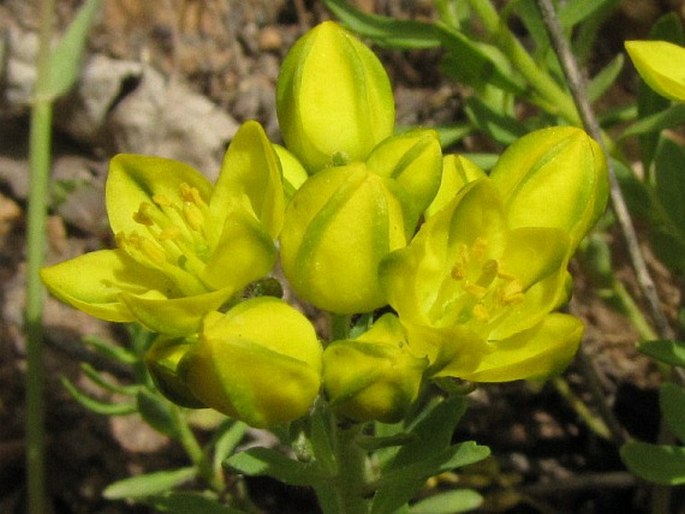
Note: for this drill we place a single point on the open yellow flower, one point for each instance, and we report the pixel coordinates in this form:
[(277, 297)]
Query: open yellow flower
[(476, 296), (185, 247)]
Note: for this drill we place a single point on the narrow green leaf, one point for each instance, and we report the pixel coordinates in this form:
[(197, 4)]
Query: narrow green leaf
[(399, 485), (110, 350), (576, 11), (228, 437), (661, 464), (503, 129), (528, 12), (98, 378), (672, 116), (157, 412), (149, 484), (665, 351), (452, 134), (370, 443), (190, 503), (450, 502), (463, 454), (65, 60), (476, 64), (672, 403), (97, 406), (384, 30), (601, 82), (265, 461), (670, 180)]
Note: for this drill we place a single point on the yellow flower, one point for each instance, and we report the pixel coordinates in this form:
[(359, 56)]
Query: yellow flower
[(476, 296), (185, 247)]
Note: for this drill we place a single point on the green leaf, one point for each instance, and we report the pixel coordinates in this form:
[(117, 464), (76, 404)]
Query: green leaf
[(672, 403), (576, 11), (111, 350), (228, 437), (433, 432), (157, 412), (149, 484), (528, 12), (503, 129), (670, 181), (98, 406), (661, 464), (190, 503), (450, 502), (65, 59), (370, 443), (385, 31), (672, 116), (475, 64), (264, 461), (601, 82), (97, 378), (398, 485), (665, 351)]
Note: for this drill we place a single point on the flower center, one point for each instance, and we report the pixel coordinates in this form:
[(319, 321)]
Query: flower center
[(174, 240), (487, 291)]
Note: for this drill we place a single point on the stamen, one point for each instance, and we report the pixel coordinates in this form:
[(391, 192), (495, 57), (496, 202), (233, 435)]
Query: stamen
[(512, 293), (488, 273), (475, 289), (142, 215), (481, 312)]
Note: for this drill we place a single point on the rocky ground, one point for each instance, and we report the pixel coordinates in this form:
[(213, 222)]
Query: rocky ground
[(175, 78)]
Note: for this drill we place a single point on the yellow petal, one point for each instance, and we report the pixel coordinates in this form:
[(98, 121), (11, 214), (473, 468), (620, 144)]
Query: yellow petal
[(93, 283), (175, 316), (538, 352), (661, 65), (134, 179), (250, 174)]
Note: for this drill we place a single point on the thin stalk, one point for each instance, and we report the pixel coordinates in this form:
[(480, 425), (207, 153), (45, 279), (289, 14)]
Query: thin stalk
[(345, 492), (39, 169), (194, 451), (554, 99), (660, 495)]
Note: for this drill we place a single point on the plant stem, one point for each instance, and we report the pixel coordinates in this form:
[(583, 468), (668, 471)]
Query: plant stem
[(660, 495), (195, 453), (39, 164), (553, 98), (344, 493)]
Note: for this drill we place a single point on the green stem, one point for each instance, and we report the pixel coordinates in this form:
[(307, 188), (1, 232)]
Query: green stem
[(553, 98), (194, 451), (39, 165), (345, 492)]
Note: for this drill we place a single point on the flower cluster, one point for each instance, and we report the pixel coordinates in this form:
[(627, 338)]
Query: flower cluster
[(470, 268)]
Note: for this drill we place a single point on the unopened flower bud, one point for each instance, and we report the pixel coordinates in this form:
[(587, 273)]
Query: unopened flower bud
[(338, 227), (414, 161), (554, 177), (373, 377), (334, 99), (259, 362), (162, 360)]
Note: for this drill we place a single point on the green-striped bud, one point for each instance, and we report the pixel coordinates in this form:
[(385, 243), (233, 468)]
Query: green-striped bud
[(334, 99)]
